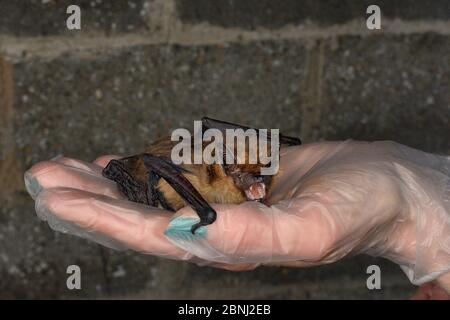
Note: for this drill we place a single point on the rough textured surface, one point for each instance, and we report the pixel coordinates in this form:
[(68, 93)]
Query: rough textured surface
[(251, 14), (381, 86), (393, 88), (78, 105)]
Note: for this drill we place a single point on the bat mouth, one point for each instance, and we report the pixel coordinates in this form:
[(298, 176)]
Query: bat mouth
[(256, 192)]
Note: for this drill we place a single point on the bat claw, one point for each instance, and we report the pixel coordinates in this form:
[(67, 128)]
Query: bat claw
[(208, 218), (195, 227)]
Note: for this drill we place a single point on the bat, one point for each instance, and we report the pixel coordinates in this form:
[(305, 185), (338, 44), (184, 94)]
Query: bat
[(152, 178)]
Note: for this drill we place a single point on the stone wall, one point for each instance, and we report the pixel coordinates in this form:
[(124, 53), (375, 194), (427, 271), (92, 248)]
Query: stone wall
[(309, 67)]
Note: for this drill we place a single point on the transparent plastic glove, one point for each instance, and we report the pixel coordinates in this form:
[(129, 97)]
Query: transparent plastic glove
[(330, 200), (73, 197), (430, 291)]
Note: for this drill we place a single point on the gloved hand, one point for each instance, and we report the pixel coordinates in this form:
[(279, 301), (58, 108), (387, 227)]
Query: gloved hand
[(330, 200)]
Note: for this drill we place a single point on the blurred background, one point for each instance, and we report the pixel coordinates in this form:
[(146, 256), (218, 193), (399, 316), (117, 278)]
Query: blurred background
[(138, 69)]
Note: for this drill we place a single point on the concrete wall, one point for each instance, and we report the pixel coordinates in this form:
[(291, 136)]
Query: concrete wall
[(309, 67)]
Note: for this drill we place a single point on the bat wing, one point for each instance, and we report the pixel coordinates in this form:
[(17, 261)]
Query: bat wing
[(209, 123), (119, 172), (161, 167)]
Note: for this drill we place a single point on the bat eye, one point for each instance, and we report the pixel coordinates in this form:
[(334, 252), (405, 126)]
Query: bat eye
[(259, 178)]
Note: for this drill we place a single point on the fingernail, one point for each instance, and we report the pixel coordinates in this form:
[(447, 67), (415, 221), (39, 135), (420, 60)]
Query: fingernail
[(32, 185), (57, 225), (180, 228)]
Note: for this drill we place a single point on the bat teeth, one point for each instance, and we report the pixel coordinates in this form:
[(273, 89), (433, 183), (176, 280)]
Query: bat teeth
[(256, 191)]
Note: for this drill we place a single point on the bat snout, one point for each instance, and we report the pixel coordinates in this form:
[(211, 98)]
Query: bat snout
[(256, 191)]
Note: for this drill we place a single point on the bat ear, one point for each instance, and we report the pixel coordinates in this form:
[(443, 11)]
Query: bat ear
[(210, 123)]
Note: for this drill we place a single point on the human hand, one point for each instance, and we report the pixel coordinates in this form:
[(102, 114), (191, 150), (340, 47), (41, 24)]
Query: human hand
[(430, 291), (330, 200)]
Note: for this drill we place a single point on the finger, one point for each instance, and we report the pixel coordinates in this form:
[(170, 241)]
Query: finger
[(438, 293), (254, 233), (102, 161), (431, 291), (79, 164), (423, 292), (111, 222), (443, 282), (69, 173), (233, 267), (224, 266)]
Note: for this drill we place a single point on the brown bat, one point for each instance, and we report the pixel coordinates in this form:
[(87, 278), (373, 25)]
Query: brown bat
[(152, 178)]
